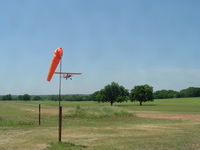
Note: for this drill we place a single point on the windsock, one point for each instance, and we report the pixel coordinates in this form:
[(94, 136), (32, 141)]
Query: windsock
[(54, 63)]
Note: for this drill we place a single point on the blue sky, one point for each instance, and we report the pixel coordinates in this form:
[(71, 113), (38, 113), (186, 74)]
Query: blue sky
[(131, 42)]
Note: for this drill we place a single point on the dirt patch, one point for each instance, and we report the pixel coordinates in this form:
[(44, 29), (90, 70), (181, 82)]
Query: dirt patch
[(171, 116), (49, 111)]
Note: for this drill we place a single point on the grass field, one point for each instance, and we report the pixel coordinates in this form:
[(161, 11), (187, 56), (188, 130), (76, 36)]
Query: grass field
[(168, 124)]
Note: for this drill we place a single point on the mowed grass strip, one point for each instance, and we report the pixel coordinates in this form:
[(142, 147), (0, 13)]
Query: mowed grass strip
[(176, 105)]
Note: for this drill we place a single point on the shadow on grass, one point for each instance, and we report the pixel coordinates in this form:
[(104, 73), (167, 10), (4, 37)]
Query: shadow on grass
[(65, 146)]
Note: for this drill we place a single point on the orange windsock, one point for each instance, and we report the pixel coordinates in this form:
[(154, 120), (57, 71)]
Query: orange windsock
[(54, 63)]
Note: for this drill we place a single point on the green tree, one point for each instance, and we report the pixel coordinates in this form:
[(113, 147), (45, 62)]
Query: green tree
[(25, 97), (53, 97), (94, 96), (98, 96), (7, 97), (20, 97), (190, 92), (112, 93), (142, 93), (123, 95), (166, 94), (36, 98)]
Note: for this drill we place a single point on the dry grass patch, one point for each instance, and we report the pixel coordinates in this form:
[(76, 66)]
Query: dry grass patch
[(170, 116), (26, 139)]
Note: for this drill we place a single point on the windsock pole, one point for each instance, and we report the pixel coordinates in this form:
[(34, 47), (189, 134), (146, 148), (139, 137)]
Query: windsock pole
[(59, 96), (57, 58), (60, 107)]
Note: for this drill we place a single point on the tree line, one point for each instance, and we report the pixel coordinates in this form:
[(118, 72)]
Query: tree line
[(114, 93), (189, 92), (142, 93), (27, 97), (110, 93)]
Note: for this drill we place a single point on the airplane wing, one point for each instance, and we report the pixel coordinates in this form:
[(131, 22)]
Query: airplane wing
[(68, 73)]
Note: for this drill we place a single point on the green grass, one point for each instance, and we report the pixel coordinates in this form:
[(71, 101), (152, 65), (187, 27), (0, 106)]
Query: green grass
[(179, 105), (94, 126)]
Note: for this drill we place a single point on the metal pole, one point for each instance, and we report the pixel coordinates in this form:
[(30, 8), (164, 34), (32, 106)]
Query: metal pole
[(60, 108), (59, 97), (39, 113)]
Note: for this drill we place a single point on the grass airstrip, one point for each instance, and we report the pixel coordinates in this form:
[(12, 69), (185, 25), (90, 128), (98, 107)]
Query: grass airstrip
[(167, 124)]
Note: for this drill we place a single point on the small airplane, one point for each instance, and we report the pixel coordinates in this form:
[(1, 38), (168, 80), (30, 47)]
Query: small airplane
[(68, 75)]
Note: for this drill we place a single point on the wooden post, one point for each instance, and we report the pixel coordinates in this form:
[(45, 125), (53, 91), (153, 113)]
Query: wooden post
[(60, 124), (39, 114)]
